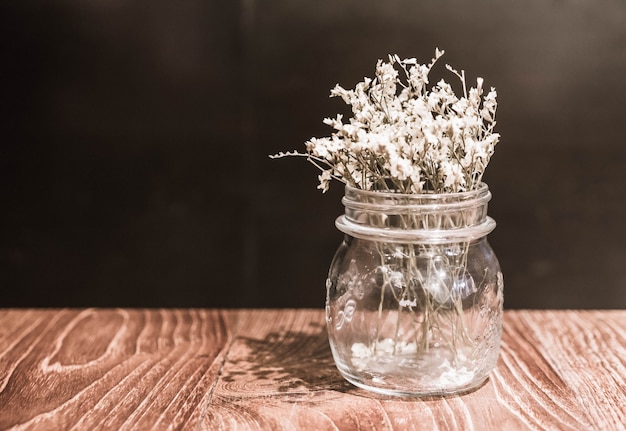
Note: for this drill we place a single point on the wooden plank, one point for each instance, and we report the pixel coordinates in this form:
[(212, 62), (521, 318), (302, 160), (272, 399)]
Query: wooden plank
[(272, 369), (565, 370), (108, 369)]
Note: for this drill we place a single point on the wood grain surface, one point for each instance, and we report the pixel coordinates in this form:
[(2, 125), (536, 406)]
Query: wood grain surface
[(272, 369)]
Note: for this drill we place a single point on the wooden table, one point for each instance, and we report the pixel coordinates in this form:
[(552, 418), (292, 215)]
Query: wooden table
[(272, 369)]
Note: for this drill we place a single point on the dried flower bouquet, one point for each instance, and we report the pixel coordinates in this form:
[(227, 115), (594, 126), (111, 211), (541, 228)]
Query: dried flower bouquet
[(406, 136)]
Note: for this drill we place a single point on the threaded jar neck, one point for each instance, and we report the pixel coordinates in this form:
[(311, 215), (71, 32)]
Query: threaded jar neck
[(425, 217)]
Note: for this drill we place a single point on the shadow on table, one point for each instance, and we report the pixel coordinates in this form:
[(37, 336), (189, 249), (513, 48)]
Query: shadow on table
[(297, 361), (290, 361)]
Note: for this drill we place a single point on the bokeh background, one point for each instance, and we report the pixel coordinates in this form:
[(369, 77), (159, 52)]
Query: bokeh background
[(135, 134)]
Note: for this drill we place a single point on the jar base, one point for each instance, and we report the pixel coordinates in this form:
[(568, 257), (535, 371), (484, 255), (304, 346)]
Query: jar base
[(401, 371), (406, 390)]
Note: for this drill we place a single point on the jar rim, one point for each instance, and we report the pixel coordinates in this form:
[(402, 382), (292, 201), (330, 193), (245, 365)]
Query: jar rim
[(420, 217), (428, 195), (400, 202), (408, 236)]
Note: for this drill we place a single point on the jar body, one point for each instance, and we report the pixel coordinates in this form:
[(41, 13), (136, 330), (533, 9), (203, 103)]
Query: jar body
[(414, 296)]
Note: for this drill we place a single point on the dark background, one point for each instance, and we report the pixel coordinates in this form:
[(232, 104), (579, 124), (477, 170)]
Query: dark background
[(135, 134)]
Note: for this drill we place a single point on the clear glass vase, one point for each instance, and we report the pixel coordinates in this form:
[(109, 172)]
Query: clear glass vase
[(414, 292)]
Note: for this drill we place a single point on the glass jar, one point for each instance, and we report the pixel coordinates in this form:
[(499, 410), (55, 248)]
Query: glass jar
[(414, 292)]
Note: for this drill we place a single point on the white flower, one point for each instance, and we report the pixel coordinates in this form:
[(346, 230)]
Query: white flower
[(324, 178), (399, 167), (453, 177)]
